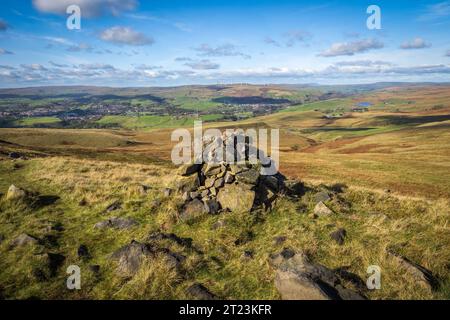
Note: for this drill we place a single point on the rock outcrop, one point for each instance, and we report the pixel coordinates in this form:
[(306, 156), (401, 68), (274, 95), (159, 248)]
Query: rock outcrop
[(297, 278)]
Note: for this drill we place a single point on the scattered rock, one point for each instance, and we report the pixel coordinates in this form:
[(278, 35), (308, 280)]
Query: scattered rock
[(23, 240), (248, 177), (157, 236), (339, 236), (167, 192), (294, 187), (83, 252), (117, 223), (322, 210), (212, 169), (247, 255), (187, 184), (199, 292), (212, 206), (279, 240), (83, 202), (131, 256), (424, 276), (16, 194), (186, 196), (236, 198), (15, 155), (117, 205), (189, 169), (219, 224), (229, 178), (321, 196), (192, 210), (297, 278)]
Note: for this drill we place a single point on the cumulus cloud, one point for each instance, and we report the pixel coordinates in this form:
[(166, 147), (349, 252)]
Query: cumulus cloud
[(3, 25), (203, 65), (4, 51), (126, 36), (417, 43), (225, 50), (89, 8), (352, 48)]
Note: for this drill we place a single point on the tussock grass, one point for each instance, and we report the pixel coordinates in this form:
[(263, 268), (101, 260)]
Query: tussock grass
[(417, 229)]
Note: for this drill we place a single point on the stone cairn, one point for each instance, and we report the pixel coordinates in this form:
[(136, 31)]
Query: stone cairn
[(212, 187)]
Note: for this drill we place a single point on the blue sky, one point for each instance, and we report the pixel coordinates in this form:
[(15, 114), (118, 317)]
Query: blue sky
[(171, 42)]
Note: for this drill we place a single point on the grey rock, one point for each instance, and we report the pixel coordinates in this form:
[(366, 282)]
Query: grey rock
[(199, 292), (219, 224), (247, 255), (339, 236), (188, 169), (249, 177), (194, 195), (297, 278), (212, 169), (16, 194), (294, 187), (116, 223), (422, 275), (212, 206), (192, 210), (130, 257), (186, 196), (117, 205), (23, 240), (167, 192), (322, 210), (279, 240), (219, 183), (15, 155), (229, 178), (321, 197), (236, 198)]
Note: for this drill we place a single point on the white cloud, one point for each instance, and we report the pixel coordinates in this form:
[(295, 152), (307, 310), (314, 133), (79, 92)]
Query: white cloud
[(417, 43), (436, 11), (89, 8), (4, 51), (225, 50), (203, 65), (351, 48), (125, 35)]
